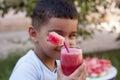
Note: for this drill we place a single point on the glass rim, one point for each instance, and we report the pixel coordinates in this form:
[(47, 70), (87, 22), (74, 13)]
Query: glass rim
[(77, 47)]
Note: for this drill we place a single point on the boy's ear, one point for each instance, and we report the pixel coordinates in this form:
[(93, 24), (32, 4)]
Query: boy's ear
[(33, 34)]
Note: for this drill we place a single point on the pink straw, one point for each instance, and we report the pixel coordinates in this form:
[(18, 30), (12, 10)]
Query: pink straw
[(66, 47)]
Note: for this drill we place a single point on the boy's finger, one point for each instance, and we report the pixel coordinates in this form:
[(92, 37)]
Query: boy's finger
[(82, 76), (59, 71), (79, 70)]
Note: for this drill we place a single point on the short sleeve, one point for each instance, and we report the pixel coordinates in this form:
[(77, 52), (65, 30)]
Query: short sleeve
[(24, 71)]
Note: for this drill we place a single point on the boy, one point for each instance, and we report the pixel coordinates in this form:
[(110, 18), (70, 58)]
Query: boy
[(40, 63)]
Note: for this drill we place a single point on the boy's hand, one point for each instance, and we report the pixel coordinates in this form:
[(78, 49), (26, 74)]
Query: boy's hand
[(78, 74)]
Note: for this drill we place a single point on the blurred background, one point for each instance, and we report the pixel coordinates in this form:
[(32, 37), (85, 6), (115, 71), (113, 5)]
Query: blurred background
[(98, 33)]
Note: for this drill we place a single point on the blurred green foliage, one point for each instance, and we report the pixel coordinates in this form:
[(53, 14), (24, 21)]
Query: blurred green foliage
[(17, 5), (27, 5), (84, 7)]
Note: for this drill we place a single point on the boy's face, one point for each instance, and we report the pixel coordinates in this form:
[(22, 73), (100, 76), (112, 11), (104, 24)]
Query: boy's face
[(65, 27)]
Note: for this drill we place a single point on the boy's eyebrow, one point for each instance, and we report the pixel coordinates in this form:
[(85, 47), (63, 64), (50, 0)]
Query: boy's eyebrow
[(62, 32), (59, 31), (75, 32)]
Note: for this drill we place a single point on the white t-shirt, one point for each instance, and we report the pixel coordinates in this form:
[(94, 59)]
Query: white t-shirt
[(29, 67)]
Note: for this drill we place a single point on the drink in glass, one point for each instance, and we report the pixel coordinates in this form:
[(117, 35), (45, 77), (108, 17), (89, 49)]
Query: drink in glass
[(71, 60)]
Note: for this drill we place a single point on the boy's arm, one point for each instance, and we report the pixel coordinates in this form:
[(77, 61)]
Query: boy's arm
[(79, 74)]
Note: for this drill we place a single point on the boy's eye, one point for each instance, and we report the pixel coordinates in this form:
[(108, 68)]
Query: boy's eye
[(72, 36)]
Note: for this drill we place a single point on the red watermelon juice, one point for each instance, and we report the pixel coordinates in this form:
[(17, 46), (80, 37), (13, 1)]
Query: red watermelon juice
[(71, 60)]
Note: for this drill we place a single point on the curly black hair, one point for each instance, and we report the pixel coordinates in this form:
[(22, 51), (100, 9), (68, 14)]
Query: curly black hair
[(46, 9)]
